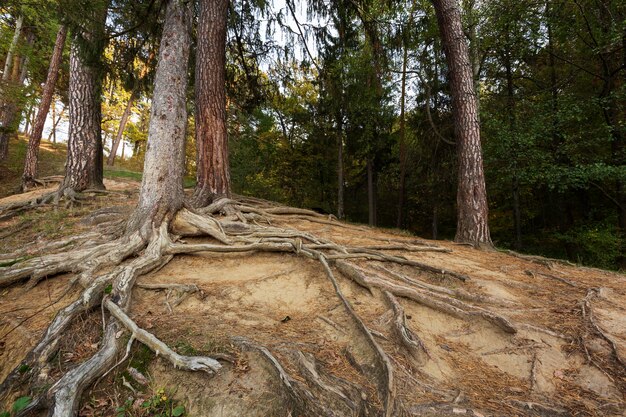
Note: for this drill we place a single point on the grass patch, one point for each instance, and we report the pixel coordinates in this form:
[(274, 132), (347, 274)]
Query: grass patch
[(51, 162), (121, 173)]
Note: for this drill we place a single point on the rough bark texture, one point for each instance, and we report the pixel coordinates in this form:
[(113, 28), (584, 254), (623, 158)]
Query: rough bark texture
[(161, 194), (83, 168), (32, 153), (213, 172), (472, 225), (120, 130)]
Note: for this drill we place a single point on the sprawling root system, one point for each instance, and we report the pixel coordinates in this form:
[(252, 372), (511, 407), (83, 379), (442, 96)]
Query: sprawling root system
[(399, 326)]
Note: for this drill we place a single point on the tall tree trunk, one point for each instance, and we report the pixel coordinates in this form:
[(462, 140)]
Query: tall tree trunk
[(6, 74), (435, 222), (120, 129), (8, 106), (84, 147), (510, 88), (213, 171), (55, 122), (340, 173), (161, 194), (472, 208), (341, 189), (84, 166), (29, 112), (403, 150), (32, 153)]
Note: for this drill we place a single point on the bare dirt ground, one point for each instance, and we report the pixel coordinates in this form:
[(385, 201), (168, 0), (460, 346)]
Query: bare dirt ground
[(566, 357)]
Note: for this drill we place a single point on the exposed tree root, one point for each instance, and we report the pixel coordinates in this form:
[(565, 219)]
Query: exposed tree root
[(68, 196), (189, 363), (404, 333), (430, 299), (107, 267), (588, 315)]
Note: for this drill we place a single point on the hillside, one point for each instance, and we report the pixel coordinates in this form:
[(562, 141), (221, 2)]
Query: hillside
[(414, 327)]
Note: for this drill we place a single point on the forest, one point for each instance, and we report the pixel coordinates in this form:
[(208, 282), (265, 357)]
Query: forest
[(226, 152), (365, 86)]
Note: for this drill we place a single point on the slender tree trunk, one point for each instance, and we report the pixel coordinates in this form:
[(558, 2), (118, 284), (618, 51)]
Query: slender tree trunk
[(340, 174), (341, 189), (55, 123), (120, 130), (472, 208), (517, 218), (84, 166), (32, 153), (371, 193), (29, 113), (8, 106), (52, 133), (161, 194), (435, 222), (213, 171), (403, 150), (9, 59), (123, 149)]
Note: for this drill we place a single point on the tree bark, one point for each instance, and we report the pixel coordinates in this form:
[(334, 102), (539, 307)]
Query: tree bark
[(340, 174), (84, 148), (161, 194), (120, 130), (8, 107), (212, 168), (9, 59), (472, 208), (32, 153)]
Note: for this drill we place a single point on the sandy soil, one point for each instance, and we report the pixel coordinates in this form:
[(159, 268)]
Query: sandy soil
[(557, 363)]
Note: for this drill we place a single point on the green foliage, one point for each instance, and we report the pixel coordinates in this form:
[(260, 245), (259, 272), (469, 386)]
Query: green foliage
[(160, 404), (18, 405)]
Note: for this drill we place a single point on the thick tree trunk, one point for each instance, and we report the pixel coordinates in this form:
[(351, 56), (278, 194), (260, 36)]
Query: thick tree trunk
[(30, 164), (120, 130), (472, 208), (83, 168), (161, 194), (213, 171)]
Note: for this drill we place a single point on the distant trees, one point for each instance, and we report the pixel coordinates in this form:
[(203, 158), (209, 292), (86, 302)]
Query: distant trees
[(375, 124)]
